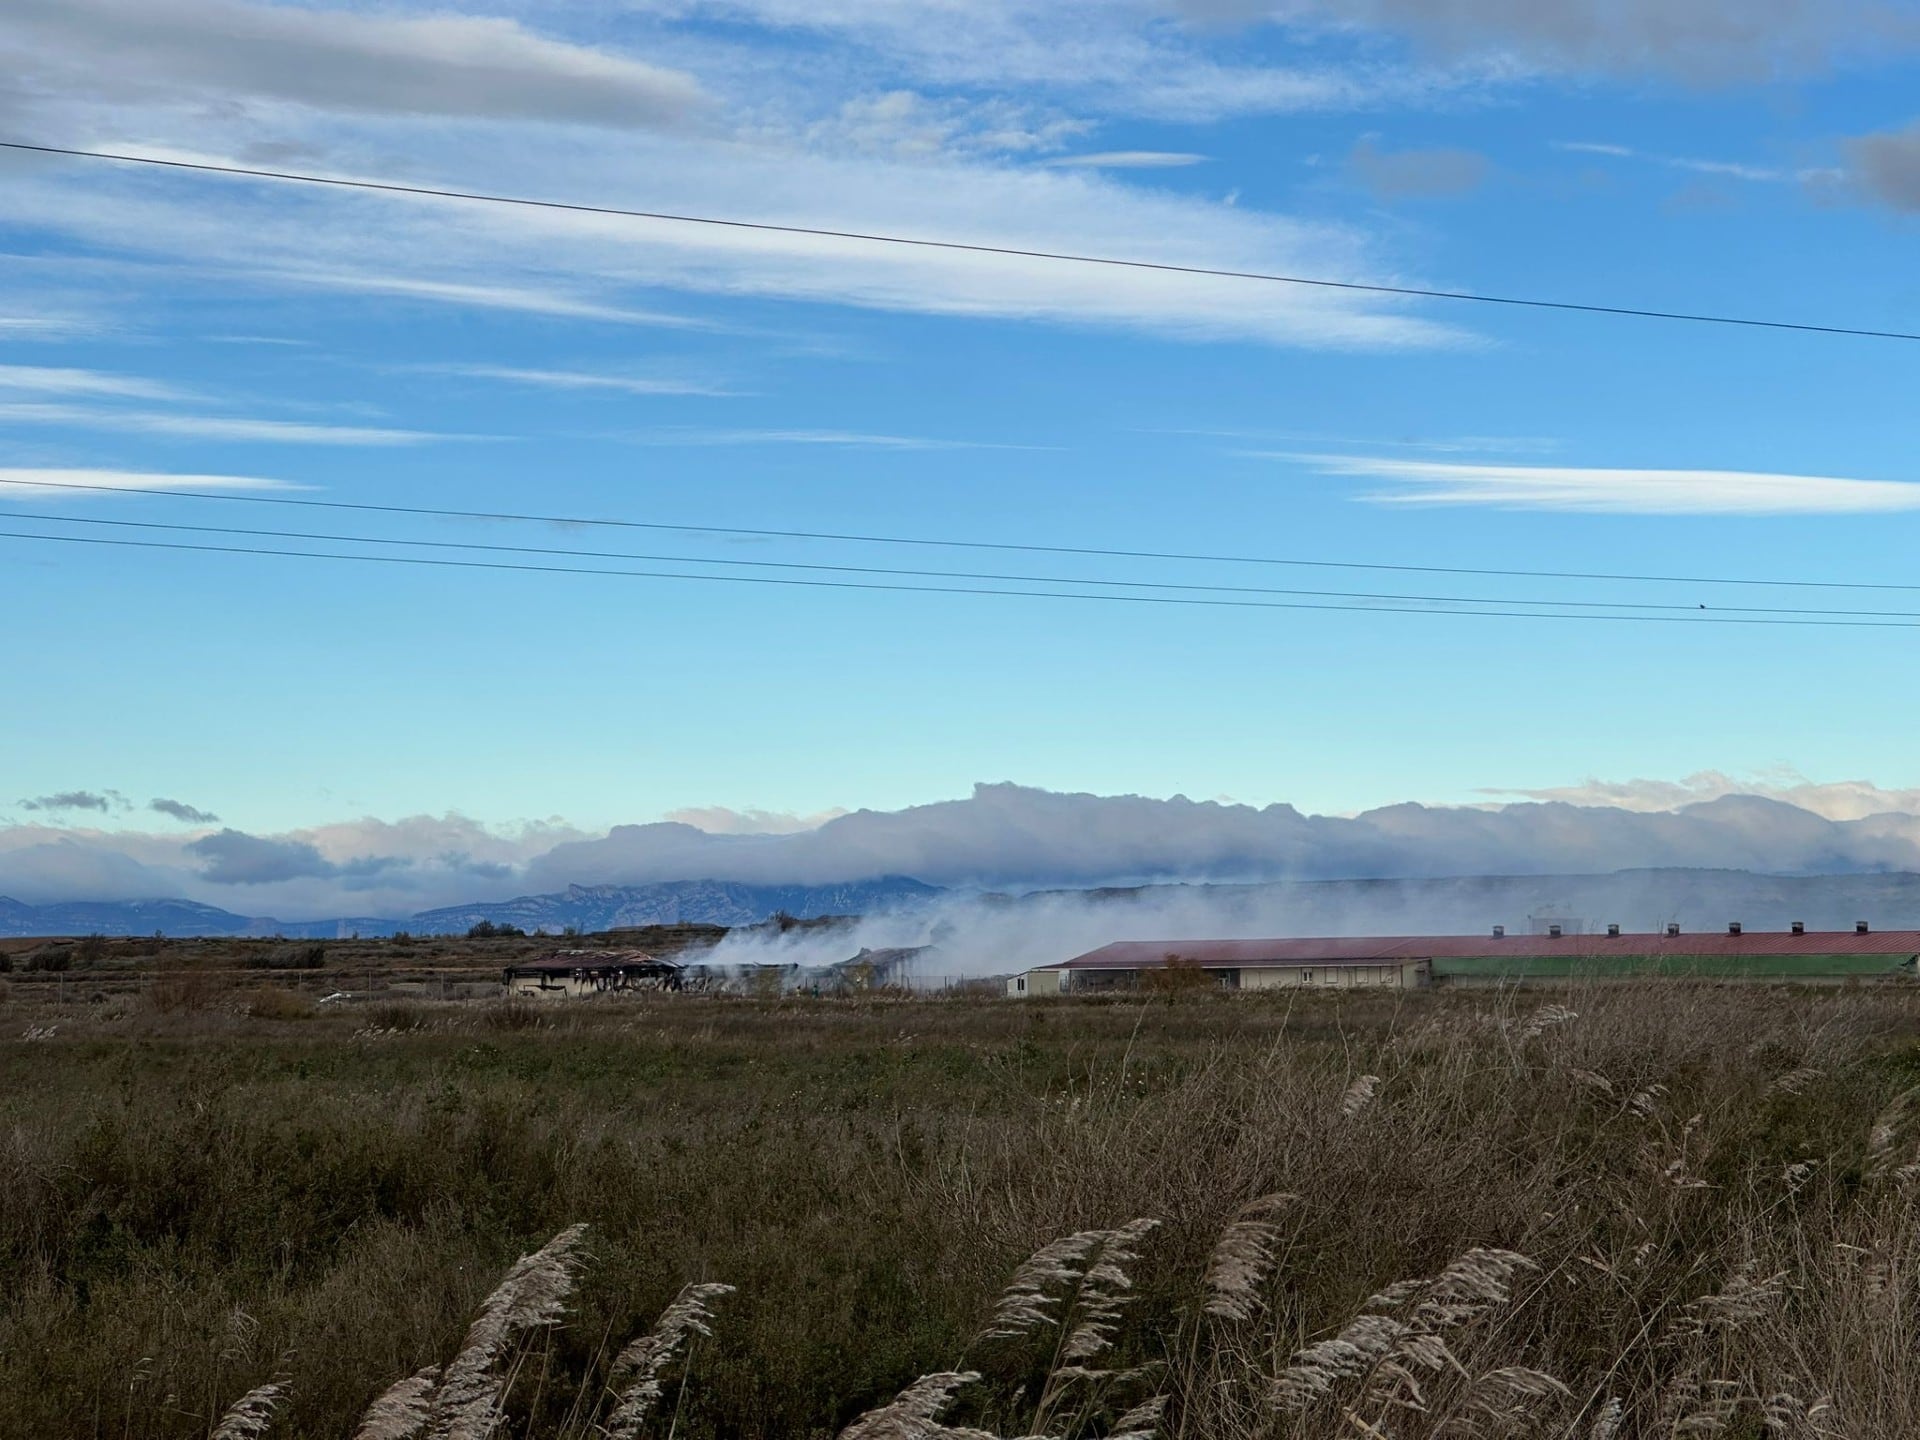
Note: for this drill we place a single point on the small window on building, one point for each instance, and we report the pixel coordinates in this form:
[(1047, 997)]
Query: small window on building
[(1021, 983), (1306, 977)]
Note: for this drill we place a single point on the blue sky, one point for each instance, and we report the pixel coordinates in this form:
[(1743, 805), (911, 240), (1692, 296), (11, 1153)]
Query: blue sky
[(1699, 155)]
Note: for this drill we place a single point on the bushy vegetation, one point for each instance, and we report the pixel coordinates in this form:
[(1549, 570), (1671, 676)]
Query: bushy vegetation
[(489, 930), (1625, 1212)]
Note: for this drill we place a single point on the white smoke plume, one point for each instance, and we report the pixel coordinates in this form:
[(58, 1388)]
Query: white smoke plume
[(966, 936)]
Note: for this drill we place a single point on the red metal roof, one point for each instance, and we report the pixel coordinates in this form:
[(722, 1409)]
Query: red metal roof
[(1388, 949)]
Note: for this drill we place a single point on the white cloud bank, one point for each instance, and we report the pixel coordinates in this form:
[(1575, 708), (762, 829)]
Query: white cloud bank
[(1837, 800), (335, 60), (1002, 837)]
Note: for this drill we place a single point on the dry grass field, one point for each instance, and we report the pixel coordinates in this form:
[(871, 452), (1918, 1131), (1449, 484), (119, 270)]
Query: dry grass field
[(1614, 1212)]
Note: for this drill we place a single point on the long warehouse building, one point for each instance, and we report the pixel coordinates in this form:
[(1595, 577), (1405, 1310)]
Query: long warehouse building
[(1412, 961)]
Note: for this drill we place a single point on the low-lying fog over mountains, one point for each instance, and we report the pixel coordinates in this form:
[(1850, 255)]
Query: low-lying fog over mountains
[(1015, 867), (896, 910)]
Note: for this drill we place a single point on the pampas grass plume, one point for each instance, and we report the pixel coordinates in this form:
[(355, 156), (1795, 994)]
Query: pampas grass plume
[(640, 1365), (1359, 1095), (1243, 1259), (914, 1414), (534, 1292), (251, 1413), (400, 1413)]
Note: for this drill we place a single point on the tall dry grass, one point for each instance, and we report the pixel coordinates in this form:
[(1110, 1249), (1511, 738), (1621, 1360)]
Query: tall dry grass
[(1635, 1212)]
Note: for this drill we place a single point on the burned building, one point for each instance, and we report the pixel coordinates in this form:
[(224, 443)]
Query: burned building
[(573, 973)]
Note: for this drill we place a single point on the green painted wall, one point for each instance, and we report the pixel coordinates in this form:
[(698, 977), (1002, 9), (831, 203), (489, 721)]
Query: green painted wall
[(1747, 967)]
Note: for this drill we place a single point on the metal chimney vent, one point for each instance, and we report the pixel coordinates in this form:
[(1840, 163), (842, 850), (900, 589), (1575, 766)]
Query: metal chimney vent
[(1499, 932), (1553, 932), (1799, 927), (1672, 929), (1859, 927), (1613, 929), (1733, 927)]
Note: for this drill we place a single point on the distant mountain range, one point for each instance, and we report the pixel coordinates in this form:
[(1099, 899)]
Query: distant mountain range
[(181, 918), (583, 907), (1640, 900), (679, 902)]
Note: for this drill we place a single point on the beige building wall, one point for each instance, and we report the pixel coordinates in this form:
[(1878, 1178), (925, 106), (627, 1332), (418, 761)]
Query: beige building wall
[(1335, 977), (1036, 982)]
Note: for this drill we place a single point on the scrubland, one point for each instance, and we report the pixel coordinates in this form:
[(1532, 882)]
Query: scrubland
[(1627, 1211)]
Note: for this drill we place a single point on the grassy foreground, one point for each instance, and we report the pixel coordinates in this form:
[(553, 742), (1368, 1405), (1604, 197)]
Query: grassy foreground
[(1653, 1210)]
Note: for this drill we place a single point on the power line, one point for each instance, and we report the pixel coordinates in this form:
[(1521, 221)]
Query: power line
[(908, 573), (966, 247), (1691, 618), (1004, 546)]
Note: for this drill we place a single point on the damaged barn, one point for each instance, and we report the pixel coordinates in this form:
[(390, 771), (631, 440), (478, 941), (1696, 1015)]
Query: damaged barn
[(572, 973)]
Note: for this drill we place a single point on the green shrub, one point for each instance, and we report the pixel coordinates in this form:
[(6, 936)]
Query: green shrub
[(487, 930)]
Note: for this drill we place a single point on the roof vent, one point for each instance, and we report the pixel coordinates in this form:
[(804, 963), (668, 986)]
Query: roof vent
[(1799, 927), (1553, 932), (1672, 929), (1859, 927), (1613, 929), (1499, 932), (1733, 927)]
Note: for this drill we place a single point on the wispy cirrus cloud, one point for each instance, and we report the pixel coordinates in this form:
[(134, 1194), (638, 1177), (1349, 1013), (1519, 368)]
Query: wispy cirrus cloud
[(586, 380), (591, 266), (1726, 169), (37, 327), (1436, 444), (1126, 160), (1209, 59), (832, 153), (1616, 491), (1699, 41), (480, 294), (844, 439), (210, 427), (905, 124), (45, 483), (55, 380), (1120, 58)]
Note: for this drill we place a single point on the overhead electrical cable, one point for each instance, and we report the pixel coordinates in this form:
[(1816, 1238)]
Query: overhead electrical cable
[(818, 567), (1708, 617), (1005, 546), (922, 242)]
